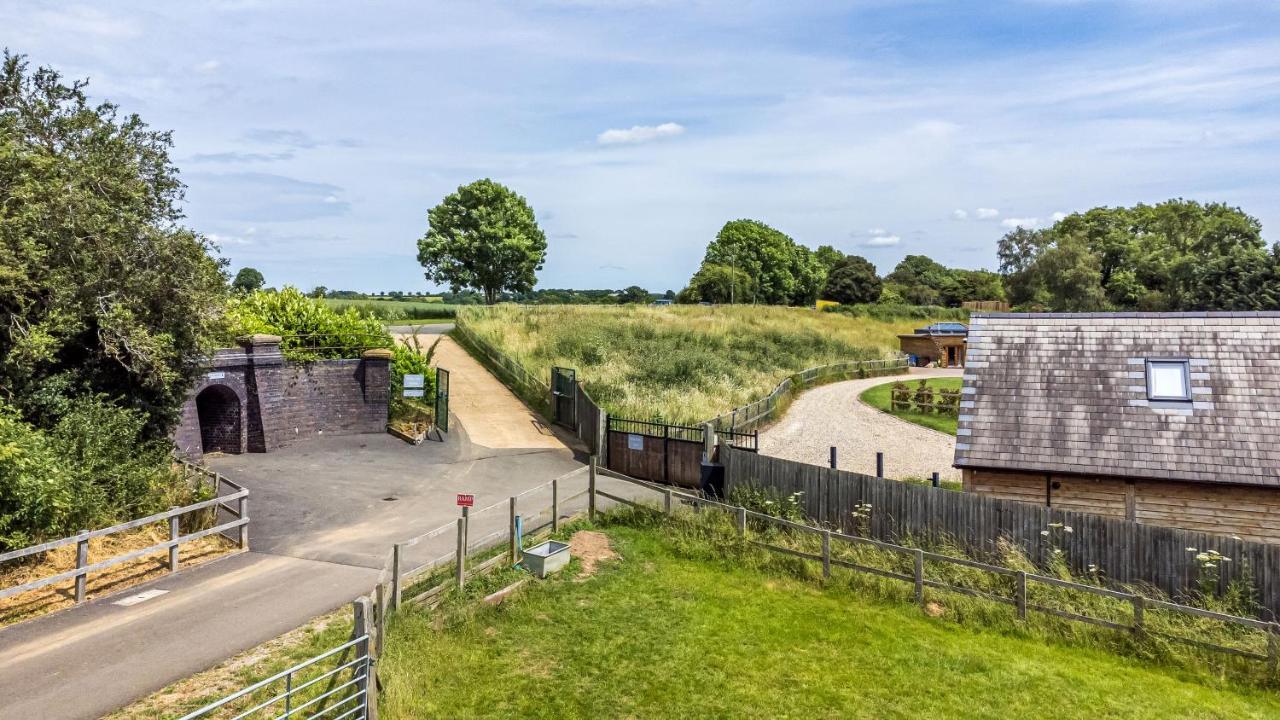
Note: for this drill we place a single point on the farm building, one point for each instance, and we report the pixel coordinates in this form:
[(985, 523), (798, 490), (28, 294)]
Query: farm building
[(943, 343), (1160, 418)]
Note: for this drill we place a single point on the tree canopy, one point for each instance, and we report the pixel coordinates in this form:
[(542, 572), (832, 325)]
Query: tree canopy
[(248, 280), (483, 236), (634, 294), (1177, 255), (783, 271), (852, 280), (102, 292)]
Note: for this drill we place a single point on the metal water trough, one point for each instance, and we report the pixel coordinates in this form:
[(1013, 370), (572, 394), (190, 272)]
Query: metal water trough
[(546, 558)]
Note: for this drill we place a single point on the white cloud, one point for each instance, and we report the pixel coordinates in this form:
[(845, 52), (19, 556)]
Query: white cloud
[(959, 214), (1029, 223), (986, 213), (1058, 216), (877, 231), (224, 240), (639, 134), (883, 241), (208, 66)]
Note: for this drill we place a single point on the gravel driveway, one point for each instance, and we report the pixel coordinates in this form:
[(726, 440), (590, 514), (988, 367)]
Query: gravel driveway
[(832, 415)]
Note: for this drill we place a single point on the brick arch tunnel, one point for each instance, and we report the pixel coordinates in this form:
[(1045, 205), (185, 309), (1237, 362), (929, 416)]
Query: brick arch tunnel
[(218, 408)]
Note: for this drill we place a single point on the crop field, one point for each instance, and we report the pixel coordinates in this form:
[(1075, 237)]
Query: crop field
[(396, 310), (681, 364), (674, 630)]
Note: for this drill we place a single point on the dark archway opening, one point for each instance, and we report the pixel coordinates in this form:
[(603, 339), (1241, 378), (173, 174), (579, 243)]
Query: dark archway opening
[(219, 412)]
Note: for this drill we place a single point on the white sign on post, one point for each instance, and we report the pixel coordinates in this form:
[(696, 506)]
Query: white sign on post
[(414, 381), (635, 442), (410, 392)]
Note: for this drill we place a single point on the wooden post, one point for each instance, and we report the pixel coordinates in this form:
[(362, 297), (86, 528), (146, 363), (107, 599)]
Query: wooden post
[(466, 528), (742, 522), (934, 480), (1139, 614), (1273, 650), (82, 559), (879, 464), (833, 457), (460, 560), (244, 529), (173, 538), (360, 628), (1020, 594), (826, 553), (379, 617), (591, 490), (602, 439), (515, 540), (666, 454), (708, 441), (666, 501), (555, 505), (395, 576), (919, 558)]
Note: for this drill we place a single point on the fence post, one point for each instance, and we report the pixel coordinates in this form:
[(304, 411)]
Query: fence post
[(1273, 649), (360, 628), (742, 522), (243, 508), (708, 441), (1139, 612), (555, 505), (666, 501), (591, 490), (826, 553), (1020, 594), (466, 528), (934, 479), (395, 576), (515, 538), (879, 464), (460, 560), (919, 572), (173, 538), (833, 457), (82, 559), (379, 617)]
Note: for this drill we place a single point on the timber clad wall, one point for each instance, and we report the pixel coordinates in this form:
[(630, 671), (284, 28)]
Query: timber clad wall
[(1250, 513), (279, 402)]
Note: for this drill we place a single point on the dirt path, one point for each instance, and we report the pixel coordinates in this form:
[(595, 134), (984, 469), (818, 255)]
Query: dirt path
[(833, 415), (492, 416)]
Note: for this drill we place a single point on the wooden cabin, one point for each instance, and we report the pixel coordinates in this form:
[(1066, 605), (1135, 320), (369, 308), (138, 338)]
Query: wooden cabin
[(941, 343), (1160, 418)]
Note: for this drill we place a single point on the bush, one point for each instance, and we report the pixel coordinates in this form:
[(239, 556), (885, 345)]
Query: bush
[(310, 329), (923, 397)]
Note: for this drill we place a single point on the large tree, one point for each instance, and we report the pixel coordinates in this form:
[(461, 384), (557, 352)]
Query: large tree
[(1177, 255), (248, 280), (784, 272), (852, 280), (483, 236), (102, 292)]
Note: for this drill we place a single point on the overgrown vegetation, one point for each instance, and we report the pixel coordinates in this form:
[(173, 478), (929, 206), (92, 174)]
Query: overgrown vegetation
[(694, 622), (932, 402), (682, 364), (396, 311)]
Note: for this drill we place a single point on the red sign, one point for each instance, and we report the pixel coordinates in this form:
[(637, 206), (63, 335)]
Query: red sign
[(466, 500)]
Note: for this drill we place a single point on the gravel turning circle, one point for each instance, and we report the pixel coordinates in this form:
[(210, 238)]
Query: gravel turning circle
[(833, 415)]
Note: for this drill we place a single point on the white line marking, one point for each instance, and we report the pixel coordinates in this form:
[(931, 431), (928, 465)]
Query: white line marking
[(140, 597)]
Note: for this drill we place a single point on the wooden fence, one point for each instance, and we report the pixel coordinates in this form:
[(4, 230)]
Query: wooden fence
[(533, 390), (1121, 551), (173, 516), (1023, 593)]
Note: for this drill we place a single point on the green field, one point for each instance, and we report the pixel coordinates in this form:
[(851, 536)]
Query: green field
[(682, 364), (879, 397), (397, 310), (674, 630)]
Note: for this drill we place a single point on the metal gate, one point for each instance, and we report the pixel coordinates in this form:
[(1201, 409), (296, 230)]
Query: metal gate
[(442, 399), (564, 393)]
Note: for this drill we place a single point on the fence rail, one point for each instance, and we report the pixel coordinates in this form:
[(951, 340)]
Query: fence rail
[(1123, 551), (81, 540), (1020, 597)]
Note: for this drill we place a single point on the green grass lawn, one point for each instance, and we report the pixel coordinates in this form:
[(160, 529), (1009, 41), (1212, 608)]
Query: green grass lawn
[(878, 397), (658, 634)]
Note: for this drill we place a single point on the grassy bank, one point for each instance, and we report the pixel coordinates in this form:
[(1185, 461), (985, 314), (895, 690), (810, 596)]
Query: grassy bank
[(879, 397), (397, 310), (683, 364), (674, 630)]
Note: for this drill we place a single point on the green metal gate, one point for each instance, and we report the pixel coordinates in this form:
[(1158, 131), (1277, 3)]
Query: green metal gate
[(442, 399), (564, 391)]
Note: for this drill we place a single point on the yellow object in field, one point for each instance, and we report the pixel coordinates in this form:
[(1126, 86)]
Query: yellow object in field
[(824, 304)]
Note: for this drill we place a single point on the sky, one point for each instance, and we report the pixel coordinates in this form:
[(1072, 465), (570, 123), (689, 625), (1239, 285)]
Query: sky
[(313, 137)]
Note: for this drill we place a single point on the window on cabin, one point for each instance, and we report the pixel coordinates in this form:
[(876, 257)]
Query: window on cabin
[(1168, 380)]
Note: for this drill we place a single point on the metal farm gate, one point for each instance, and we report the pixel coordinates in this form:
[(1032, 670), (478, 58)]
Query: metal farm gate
[(660, 452), (442, 399), (564, 395)]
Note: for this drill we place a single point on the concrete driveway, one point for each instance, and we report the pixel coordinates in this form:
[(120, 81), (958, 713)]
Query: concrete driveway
[(325, 513)]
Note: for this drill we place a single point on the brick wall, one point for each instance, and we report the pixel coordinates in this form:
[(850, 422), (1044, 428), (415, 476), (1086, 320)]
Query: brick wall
[(267, 402)]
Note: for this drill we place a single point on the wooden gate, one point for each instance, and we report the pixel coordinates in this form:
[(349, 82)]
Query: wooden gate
[(660, 452), (564, 394), (442, 399)]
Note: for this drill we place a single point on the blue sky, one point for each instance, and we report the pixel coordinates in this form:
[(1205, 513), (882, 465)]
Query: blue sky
[(314, 138)]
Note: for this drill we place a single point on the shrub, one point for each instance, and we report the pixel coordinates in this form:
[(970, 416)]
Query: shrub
[(310, 329), (949, 401), (900, 397), (923, 397)]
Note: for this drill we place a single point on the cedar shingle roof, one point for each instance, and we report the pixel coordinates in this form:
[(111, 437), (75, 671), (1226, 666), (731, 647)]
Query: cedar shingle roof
[(1067, 393)]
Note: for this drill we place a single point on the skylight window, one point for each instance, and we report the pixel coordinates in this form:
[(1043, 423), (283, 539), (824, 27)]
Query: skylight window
[(1168, 380)]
